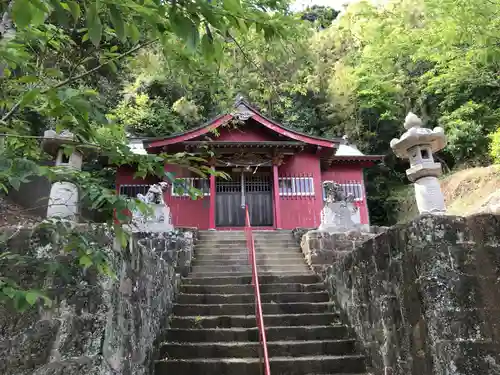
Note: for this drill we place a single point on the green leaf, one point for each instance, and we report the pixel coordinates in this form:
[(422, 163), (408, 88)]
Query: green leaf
[(22, 13), (32, 297), (61, 14), (232, 5), (113, 67), (94, 24), (183, 27), (117, 21), (207, 46), (121, 235), (47, 302), (193, 38), (29, 97), (38, 16), (5, 165), (15, 182), (53, 72), (95, 32), (133, 32), (28, 79), (75, 10), (85, 261)]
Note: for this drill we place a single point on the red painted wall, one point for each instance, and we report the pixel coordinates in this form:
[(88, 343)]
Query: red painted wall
[(125, 176), (253, 132), (185, 211), (345, 173), (301, 211)]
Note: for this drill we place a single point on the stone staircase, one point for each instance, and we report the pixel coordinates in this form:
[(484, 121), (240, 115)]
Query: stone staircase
[(213, 326)]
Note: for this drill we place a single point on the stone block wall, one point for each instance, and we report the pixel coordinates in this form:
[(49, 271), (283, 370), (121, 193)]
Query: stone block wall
[(98, 326), (322, 248), (424, 297)]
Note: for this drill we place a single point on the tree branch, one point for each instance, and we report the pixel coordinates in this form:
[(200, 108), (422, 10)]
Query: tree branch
[(16, 106)]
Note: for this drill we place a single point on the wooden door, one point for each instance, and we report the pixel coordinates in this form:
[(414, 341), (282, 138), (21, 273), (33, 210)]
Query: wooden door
[(228, 198), (259, 198), (254, 190)]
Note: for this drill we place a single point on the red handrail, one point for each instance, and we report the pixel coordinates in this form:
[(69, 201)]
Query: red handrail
[(259, 317)]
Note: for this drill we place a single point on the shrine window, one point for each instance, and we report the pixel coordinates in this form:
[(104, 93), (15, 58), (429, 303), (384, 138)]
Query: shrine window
[(131, 191), (182, 186), (350, 188), (296, 186)]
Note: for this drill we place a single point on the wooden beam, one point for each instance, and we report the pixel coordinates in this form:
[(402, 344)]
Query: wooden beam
[(277, 202)]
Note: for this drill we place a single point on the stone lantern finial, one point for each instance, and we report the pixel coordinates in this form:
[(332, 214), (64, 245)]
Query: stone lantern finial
[(418, 145), (412, 121)]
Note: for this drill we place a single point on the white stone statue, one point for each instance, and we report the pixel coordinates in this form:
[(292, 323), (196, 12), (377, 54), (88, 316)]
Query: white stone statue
[(418, 144), (339, 213), (161, 221)]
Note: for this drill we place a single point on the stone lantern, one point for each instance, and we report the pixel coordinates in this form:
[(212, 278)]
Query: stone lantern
[(418, 144), (64, 198)]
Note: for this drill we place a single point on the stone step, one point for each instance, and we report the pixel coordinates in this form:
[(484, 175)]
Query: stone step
[(248, 321), (241, 232), (248, 289), (243, 257), (241, 235), (242, 240), (245, 268), (243, 252), (247, 280), (251, 366), (261, 273), (243, 243), (183, 335), (251, 349), (197, 299), (229, 261), (249, 308)]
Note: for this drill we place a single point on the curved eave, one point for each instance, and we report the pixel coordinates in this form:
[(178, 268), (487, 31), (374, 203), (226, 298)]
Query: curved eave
[(257, 116), (357, 158), (193, 133)]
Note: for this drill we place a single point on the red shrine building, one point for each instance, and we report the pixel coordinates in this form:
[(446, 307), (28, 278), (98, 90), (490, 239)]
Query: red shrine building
[(277, 171)]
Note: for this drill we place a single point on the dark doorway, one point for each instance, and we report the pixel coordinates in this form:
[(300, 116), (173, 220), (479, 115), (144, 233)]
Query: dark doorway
[(244, 187)]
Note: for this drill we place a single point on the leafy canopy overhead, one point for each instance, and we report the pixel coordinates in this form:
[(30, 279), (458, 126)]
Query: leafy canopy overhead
[(59, 61)]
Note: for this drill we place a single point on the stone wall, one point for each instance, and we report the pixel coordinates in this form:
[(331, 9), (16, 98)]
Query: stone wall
[(424, 297), (99, 326), (322, 248)]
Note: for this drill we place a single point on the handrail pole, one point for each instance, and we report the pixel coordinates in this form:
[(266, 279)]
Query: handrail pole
[(259, 317)]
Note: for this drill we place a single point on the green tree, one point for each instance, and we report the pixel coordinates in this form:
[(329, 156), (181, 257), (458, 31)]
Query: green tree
[(439, 59), (56, 57)]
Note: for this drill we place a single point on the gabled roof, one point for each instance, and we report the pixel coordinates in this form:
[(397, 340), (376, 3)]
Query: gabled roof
[(243, 111)]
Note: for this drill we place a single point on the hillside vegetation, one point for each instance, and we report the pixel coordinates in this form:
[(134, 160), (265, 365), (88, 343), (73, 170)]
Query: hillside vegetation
[(466, 192)]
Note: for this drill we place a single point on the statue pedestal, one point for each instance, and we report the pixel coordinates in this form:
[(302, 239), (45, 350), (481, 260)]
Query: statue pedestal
[(159, 222), (429, 197), (339, 217), (63, 201)]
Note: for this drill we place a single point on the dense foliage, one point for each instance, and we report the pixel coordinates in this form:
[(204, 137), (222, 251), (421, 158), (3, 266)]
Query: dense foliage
[(61, 65)]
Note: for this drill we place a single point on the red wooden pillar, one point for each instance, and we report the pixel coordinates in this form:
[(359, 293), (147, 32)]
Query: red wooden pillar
[(211, 212), (277, 205)]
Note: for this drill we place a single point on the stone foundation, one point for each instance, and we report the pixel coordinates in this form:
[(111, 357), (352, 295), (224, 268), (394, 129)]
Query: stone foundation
[(321, 248), (424, 297), (100, 326)]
